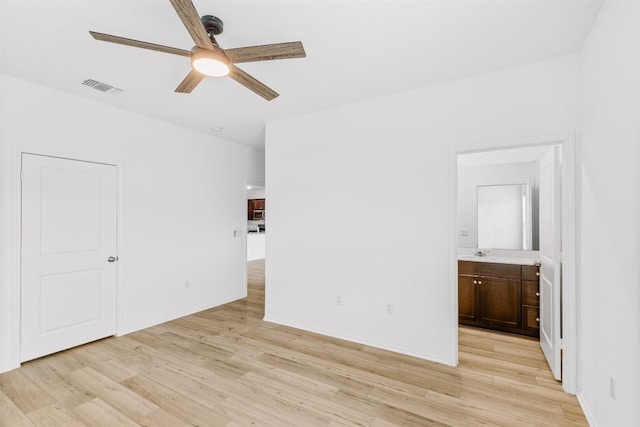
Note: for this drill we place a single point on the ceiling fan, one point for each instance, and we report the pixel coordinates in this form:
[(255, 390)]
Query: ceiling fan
[(208, 58)]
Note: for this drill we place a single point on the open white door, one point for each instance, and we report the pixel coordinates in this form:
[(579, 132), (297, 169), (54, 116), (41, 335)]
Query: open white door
[(68, 283), (550, 254)]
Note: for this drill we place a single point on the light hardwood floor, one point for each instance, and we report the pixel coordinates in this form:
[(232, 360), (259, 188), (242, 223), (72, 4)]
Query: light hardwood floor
[(225, 366)]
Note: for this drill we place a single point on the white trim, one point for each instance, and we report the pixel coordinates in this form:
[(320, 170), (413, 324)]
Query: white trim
[(453, 254), (567, 142), (568, 256), (15, 255), (591, 420)]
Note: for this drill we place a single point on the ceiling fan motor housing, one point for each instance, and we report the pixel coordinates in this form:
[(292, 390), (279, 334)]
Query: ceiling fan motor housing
[(212, 24)]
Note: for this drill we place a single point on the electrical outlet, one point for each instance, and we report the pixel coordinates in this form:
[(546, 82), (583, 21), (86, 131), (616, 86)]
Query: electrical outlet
[(389, 308), (612, 387), (339, 300)]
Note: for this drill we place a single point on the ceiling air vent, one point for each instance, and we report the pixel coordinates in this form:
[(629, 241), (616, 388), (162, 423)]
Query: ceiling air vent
[(102, 87)]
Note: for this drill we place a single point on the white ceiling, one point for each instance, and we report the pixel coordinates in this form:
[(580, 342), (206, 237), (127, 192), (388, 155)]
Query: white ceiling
[(355, 50)]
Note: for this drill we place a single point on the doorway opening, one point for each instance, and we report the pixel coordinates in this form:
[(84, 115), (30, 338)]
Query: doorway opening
[(256, 242), (518, 282)]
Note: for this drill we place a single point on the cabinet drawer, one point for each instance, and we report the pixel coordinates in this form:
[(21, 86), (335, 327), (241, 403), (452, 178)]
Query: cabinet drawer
[(530, 318), (530, 272), (530, 293), (489, 269)]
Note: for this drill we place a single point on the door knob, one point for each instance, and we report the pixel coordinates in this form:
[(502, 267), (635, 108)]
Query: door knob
[(112, 258)]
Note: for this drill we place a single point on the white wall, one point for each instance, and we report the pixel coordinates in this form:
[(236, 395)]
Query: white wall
[(256, 193), (374, 241), (470, 177), (182, 194), (256, 166), (609, 206)]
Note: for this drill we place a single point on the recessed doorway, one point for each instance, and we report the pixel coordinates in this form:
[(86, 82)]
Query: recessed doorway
[(256, 240), (543, 221)]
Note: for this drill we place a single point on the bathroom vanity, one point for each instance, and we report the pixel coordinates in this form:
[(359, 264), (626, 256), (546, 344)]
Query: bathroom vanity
[(499, 294)]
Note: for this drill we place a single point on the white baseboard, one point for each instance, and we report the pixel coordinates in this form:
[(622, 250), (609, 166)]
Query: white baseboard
[(587, 412)]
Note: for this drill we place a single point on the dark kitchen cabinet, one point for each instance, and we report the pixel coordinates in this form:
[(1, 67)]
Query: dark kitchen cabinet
[(254, 205)]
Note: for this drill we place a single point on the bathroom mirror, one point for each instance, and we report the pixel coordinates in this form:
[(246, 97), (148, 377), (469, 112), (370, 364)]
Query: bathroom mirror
[(504, 216)]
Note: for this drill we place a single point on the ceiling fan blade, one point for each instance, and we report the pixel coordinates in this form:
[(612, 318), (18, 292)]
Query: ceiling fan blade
[(190, 82), (189, 16), (266, 52), (251, 83), (137, 43)]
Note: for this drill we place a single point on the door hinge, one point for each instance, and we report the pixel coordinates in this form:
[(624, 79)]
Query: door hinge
[(561, 343)]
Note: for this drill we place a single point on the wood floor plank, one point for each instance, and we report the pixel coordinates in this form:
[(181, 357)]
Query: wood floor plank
[(176, 403), (97, 413), (25, 394), (11, 415), (120, 398), (227, 367), (162, 418), (99, 361), (53, 380), (55, 415), (245, 413)]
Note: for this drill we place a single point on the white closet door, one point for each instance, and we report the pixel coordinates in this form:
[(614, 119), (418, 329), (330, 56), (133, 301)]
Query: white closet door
[(68, 283), (550, 269)]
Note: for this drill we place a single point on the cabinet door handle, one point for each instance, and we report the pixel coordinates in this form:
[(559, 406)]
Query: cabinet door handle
[(538, 273), (537, 294), (537, 319), (475, 282), (479, 282)]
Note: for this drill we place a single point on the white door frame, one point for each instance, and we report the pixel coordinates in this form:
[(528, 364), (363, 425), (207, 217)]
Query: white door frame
[(569, 318), (15, 258)]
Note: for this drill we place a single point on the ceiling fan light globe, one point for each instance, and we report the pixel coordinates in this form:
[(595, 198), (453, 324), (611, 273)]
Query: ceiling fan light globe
[(211, 67), (210, 62)]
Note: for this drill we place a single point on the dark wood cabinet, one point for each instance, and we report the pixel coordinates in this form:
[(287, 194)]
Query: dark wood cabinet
[(496, 296), (500, 302), (258, 204), (254, 205), (467, 298), (531, 299)]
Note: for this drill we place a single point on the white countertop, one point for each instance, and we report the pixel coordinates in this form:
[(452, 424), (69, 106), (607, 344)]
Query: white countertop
[(499, 259)]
